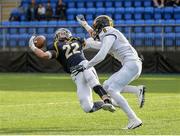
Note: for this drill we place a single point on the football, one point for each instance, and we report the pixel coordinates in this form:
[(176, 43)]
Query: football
[(39, 41)]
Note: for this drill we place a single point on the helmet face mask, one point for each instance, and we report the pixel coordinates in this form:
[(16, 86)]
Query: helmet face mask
[(100, 22), (63, 34)]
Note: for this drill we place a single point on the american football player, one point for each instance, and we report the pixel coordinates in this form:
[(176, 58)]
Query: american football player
[(68, 52), (110, 40)]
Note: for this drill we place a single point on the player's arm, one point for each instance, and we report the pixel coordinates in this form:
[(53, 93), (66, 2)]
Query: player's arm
[(40, 53), (83, 23), (100, 56), (91, 43)]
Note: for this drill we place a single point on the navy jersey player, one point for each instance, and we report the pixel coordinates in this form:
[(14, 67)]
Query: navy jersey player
[(67, 50)]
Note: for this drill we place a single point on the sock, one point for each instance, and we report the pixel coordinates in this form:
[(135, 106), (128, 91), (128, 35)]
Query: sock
[(97, 106), (123, 104), (102, 93), (130, 89)]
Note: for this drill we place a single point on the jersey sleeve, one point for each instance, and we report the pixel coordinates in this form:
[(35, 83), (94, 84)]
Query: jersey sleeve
[(91, 43), (107, 43)]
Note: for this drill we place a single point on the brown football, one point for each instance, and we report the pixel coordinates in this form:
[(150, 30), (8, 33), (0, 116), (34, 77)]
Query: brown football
[(39, 41)]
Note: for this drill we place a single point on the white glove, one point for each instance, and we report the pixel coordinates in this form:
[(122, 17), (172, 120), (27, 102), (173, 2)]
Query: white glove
[(31, 43), (82, 21)]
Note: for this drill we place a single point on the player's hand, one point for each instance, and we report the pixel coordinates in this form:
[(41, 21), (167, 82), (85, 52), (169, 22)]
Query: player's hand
[(31, 43), (76, 69), (81, 20)]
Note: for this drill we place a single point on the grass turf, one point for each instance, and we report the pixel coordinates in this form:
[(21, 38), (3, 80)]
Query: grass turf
[(47, 104)]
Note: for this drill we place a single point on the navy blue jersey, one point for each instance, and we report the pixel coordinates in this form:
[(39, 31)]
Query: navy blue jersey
[(68, 53)]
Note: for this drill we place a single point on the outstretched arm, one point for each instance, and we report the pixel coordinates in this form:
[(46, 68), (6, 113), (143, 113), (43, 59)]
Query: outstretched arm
[(40, 53), (100, 56), (83, 23)]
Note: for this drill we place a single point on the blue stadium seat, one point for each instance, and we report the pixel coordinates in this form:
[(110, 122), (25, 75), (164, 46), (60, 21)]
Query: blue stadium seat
[(90, 13), (119, 13), (128, 29), (138, 13), (148, 13), (71, 13), (89, 4), (118, 4), (139, 39), (52, 23), (158, 39), (99, 4), (62, 23), (71, 4), (177, 37), (148, 28), (137, 3), (1, 40), (100, 11), (80, 5), (81, 11), (50, 30), (128, 3), (177, 13), (81, 35), (79, 30), (169, 29), (13, 40), (168, 13), (158, 13), (109, 11), (23, 40), (41, 30), (149, 39), (158, 29), (15, 29), (108, 4), (22, 30), (31, 30), (169, 39), (73, 22), (139, 29), (177, 28), (129, 13), (147, 3), (50, 38)]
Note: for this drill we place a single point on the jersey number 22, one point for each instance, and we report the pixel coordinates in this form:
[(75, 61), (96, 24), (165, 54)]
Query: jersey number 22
[(71, 49)]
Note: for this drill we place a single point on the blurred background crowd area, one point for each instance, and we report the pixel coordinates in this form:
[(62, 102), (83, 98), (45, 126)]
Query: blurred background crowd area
[(148, 24)]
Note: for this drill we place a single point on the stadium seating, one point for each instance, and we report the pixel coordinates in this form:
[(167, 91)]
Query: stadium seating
[(149, 22)]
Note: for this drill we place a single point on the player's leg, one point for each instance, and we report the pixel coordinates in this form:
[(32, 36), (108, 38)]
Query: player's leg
[(85, 95), (92, 79), (139, 91), (117, 82)]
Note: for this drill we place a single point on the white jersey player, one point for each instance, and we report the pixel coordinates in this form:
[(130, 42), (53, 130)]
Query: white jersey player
[(110, 40)]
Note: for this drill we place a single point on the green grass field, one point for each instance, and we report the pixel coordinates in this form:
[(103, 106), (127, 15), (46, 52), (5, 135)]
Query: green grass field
[(47, 104)]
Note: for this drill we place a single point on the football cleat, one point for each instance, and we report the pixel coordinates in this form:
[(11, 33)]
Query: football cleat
[(141, 95), (108, 107), (134, 123)]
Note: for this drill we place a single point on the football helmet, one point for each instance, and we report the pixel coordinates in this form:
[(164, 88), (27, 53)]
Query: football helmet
[(100, 22), (63, 34)]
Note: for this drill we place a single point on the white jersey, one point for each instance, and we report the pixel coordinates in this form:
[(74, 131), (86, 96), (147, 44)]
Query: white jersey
[(112, 41)]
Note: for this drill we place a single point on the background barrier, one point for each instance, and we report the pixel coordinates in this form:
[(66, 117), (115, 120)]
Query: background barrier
[(25, 61)]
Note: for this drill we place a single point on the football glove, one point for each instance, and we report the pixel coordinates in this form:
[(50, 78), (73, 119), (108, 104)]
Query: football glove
[(31, 43), (77, 69)]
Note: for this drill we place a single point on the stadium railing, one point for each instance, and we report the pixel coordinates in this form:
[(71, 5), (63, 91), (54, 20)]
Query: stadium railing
[(144, 37)]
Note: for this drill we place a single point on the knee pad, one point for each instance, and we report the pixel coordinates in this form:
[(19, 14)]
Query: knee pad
[(86, 106)]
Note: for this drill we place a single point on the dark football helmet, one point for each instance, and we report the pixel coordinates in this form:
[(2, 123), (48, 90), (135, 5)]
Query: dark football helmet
[(100, 22), (63, 34)]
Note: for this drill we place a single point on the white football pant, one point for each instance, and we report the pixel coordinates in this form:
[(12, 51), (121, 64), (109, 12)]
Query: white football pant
[(118, 82), (84, 82)]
